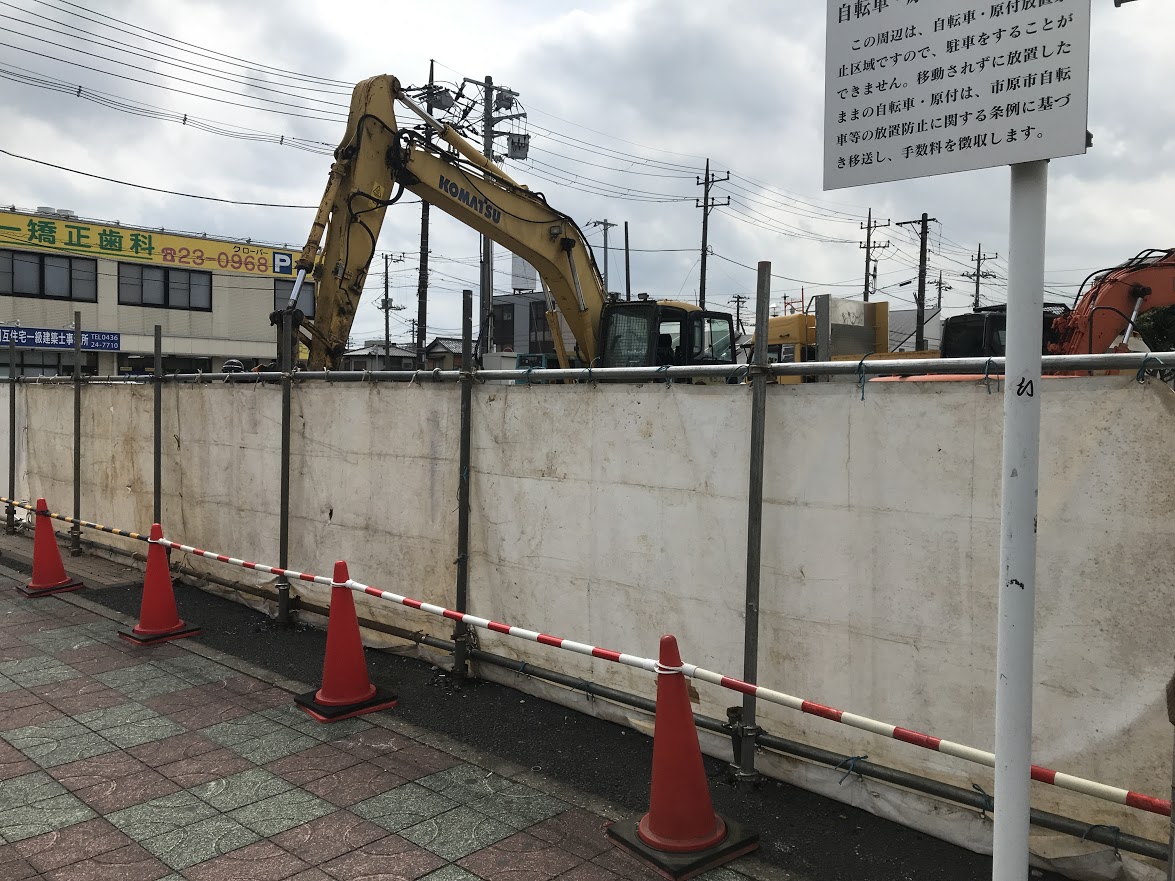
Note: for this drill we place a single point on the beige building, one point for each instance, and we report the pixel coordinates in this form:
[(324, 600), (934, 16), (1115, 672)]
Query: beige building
[(212, 297)]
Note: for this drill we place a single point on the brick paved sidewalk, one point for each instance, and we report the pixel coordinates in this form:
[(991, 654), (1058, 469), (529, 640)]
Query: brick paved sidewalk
[(135, 764)]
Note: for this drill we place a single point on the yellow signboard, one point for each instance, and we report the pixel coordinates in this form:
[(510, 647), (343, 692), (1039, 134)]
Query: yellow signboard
[(57, 233)]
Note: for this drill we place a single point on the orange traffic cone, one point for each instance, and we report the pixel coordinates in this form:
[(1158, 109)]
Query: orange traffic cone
[(158, 619), (680, 836), (48, 572), (346, 690)]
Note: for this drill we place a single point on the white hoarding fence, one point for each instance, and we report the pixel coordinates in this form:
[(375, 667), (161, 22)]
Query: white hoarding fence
[(916, 88)]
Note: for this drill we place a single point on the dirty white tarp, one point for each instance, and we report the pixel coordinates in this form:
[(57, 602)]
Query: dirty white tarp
[(612, 514)]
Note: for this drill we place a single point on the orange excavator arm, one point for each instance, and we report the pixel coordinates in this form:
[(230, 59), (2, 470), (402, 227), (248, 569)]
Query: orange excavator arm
[(1111, 305)]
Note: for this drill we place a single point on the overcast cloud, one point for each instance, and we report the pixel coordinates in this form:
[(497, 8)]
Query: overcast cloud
[(644, 89)]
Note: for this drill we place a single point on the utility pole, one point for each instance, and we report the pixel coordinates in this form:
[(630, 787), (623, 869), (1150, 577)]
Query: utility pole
[(493, 98), (627, 266), (868, 245), (920, 330), (486, 312), (941, 287), (706, 203), (607, 226), (739, 299), (422, 279), (387, 313), (386, 305), (979, 273)]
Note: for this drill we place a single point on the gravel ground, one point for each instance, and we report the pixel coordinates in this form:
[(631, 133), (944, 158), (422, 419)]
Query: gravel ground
[(813, 837)]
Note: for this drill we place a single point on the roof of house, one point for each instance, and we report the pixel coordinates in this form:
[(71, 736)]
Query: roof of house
[(448, 343), (378, 350)]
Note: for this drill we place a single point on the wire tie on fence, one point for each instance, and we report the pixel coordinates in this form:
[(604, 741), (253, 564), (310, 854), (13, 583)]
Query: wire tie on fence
[(988, 801), (987, 375), (861, 373), (1141, 375), (587, 689), (521, 671), (529, 371), (1115, 829), (850, 766)]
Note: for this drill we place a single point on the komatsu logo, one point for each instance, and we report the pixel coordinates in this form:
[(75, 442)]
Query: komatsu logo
[(482, 206)]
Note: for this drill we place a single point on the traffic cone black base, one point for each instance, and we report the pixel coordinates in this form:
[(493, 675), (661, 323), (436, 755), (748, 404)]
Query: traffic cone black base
[(46, 591), (158, 619), (381, 700), (681, 866), (155, 639), (346, 691)]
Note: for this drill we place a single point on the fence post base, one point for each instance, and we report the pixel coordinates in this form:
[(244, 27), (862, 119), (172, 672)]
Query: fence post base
[(461, 646), (742, 737)]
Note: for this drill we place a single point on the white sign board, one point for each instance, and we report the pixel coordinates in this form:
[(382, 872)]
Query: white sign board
[(921, 87), (522, 275)]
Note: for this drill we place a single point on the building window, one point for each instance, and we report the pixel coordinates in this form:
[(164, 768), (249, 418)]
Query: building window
[(144, 365), (164, 288), (40, 362), (504, 327), (282, 289), (50, 276), (540, 329)]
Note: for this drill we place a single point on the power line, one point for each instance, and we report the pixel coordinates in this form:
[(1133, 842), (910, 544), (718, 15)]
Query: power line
[(173, 89), (153, 189), (170, 60), (203, 52), (150, 111)]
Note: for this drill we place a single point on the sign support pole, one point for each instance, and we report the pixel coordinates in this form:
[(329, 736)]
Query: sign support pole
[(1020, 470), (75, 531)]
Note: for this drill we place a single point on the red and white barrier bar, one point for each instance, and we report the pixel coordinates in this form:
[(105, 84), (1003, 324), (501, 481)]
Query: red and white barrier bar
[(926, 741)]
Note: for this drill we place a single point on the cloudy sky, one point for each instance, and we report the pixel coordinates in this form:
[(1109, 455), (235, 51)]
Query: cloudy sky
[(625, 101)]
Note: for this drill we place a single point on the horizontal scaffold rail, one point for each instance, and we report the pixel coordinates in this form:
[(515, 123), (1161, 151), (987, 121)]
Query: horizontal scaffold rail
[(1041, 774), (870, 365)]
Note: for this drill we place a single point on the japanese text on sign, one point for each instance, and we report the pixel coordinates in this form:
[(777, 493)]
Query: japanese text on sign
[(916, 88), (142, 246), (47, 338)]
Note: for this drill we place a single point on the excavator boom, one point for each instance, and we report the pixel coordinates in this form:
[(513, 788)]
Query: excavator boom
[(374, 157), (1109, 308)]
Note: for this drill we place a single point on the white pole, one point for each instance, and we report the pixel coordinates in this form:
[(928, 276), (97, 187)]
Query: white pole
[(1017, 592)]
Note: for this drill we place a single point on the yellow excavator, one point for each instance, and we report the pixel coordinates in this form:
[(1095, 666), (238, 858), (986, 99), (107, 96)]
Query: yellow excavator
[(377, 160)]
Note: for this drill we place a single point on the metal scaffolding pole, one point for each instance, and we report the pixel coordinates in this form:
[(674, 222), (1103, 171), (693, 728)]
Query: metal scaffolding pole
[(75, 531), (10, 515), (461, 639), (748, 731), (157, 432)]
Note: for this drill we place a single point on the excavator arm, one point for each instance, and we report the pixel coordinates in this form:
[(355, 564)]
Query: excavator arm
[(1111, 305), (374, 158)]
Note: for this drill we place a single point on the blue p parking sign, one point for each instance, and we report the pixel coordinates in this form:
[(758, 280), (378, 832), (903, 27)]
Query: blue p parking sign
[(283, 263)]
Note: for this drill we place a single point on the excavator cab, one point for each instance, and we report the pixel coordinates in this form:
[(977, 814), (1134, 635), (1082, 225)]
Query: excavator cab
[(983, 333), (644, 332)]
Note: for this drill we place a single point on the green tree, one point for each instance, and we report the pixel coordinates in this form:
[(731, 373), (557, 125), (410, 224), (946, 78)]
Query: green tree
[(1157, 328)]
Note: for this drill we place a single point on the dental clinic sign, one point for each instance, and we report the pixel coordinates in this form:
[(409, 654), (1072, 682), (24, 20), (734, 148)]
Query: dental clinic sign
[(921, 87)]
